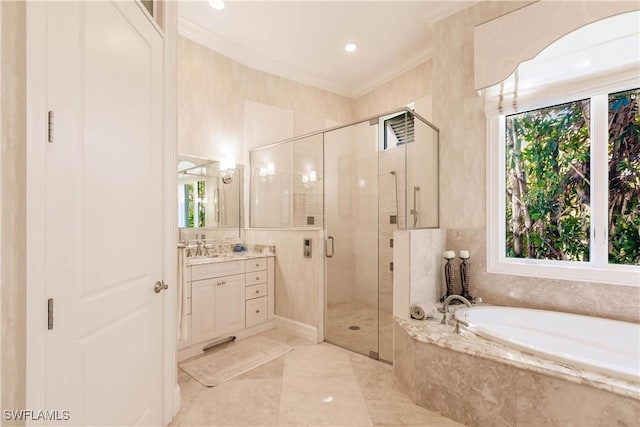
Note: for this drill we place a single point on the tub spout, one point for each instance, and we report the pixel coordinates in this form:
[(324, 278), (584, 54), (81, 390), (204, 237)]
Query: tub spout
[(445, 306)]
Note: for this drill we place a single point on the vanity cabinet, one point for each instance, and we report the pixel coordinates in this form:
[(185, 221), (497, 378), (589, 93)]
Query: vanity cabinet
[(217, 306), (227, 298)]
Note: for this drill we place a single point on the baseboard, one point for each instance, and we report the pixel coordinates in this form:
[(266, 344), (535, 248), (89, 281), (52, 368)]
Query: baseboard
[(298, 329), (176, 401)]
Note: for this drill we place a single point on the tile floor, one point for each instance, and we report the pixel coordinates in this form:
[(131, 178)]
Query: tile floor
[(341, 316), (313, 385)]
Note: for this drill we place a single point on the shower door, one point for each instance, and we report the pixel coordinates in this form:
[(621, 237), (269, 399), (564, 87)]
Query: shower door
[(351, 239)]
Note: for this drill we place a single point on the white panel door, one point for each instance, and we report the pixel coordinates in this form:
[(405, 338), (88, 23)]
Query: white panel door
[(104, 231)]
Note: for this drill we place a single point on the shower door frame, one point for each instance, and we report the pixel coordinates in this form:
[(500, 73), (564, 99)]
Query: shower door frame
[(374, 352), (322, 291)]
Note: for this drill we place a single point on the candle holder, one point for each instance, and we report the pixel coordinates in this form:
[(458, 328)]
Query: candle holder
[(449, 276), (465, 274)]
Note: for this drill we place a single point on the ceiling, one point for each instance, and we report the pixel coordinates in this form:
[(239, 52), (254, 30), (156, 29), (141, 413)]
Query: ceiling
[(304, 40)]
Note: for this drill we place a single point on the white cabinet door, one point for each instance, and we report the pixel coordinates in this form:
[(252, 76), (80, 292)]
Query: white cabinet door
[(218, 307), (203, 311), (103, 215), (230, 304)]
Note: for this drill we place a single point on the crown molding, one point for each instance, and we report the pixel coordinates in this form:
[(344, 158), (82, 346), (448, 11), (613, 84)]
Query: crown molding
[(414, 61), (259, 62)]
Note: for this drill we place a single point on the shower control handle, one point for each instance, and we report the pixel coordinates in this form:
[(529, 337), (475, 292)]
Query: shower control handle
[(326, 248)]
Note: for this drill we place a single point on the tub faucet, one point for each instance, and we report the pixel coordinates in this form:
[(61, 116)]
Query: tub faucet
[(445, 306)]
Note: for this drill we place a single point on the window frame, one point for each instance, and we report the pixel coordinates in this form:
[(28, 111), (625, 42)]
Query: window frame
[(597, 269)]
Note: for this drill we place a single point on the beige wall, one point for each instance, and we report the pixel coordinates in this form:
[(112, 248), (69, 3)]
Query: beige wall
[(408, 87), (459, 113), (12, 195), (213, 91)]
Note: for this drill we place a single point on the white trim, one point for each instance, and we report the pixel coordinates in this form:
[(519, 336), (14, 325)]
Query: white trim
[(1, 145), (297, 329), (36, 206), (224, 47), (598, 269), (599, 254), (176, 400), (170, 253)]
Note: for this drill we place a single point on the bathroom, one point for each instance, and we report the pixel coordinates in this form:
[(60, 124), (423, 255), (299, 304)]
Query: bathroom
[(226, 109)]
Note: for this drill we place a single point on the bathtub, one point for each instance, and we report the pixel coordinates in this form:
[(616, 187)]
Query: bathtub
[(608, 347)]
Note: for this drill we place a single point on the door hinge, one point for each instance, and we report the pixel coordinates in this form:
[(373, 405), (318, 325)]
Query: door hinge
[(50, 127), (50, 314)]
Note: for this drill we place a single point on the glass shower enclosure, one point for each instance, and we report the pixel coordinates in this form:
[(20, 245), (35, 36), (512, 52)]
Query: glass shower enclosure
[(360, 183)]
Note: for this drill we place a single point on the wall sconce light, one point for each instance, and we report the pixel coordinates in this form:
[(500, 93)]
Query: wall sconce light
[(311, 177), (269, 170), (227, 166)]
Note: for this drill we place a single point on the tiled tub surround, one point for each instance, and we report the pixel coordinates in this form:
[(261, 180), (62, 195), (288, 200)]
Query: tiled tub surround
[(479, 382)]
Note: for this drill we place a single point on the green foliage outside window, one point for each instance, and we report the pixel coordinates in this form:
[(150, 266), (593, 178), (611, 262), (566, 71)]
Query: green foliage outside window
[(624, 178), (202, 208), (195, 192), (548, 188), (548, 174)]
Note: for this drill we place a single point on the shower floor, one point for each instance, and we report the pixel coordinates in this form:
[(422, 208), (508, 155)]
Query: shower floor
[(341, 319)]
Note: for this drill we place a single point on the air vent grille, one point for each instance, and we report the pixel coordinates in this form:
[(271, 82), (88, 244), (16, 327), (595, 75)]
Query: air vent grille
[(403, 128)]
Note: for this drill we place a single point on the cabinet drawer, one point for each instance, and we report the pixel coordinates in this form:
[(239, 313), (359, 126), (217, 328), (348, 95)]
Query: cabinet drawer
[(256, 264), (255, 291), (256, 311), (255, 278), (216, 269)]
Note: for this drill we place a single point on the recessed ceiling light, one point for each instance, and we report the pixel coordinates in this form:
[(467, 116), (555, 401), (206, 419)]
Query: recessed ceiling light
[(217, 4), (350, 47)]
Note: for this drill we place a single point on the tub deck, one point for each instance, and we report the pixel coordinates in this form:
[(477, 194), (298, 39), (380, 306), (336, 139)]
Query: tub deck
[(432, 332)]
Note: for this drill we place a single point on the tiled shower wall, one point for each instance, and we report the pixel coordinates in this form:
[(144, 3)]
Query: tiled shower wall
[(299, 280)]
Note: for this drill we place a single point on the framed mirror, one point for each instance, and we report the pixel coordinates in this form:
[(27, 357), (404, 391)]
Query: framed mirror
[(209, 193)]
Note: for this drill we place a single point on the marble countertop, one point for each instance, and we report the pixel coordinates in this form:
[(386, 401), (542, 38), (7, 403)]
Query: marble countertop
[(432, 332), (226, 257)]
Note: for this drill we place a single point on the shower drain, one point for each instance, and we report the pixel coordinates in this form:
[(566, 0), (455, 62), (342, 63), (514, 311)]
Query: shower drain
[(354, 328)]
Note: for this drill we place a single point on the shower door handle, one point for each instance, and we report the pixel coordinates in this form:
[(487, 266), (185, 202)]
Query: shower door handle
[(326, 247)]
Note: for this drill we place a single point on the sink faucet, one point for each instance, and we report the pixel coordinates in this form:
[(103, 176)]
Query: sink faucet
[(445, 306), (199, 250)]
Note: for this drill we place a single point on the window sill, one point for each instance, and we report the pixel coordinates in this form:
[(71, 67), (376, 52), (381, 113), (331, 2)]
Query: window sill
[(620, 275)]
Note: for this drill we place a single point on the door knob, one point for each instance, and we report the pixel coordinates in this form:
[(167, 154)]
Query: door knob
[(159, 286)]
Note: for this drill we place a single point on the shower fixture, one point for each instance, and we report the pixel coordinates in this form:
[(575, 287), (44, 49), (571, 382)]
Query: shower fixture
[(414, 211), (395, 176)]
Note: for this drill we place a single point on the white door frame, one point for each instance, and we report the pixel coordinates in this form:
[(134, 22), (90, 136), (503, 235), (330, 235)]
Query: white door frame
[(171, 390), (36, 191)]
